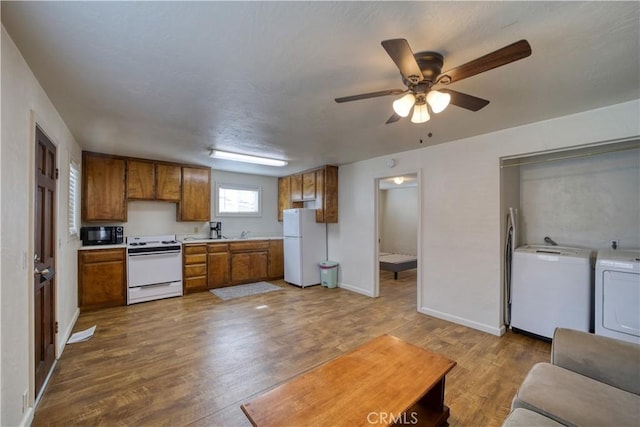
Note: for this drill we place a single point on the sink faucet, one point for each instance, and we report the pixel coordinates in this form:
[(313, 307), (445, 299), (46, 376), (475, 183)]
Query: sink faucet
[(244, 234)]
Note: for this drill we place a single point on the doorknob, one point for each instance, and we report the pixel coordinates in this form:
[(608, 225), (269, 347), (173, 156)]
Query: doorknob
[(43, 272), (36, 258)]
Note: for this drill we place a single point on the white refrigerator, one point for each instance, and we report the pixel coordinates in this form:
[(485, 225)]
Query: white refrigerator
[(305, 245)]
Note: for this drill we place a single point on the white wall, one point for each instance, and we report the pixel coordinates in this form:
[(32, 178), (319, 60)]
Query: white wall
[(24, 101), (584, 201), (399, 220), (461, 237), (151, 217)]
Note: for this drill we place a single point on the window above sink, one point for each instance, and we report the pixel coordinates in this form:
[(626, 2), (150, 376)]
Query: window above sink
[(238, 200)]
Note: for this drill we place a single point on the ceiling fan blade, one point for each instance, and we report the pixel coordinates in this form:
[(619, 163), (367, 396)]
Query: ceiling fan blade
[(504, 56), (463, 100), (400, 52), (394, 118), (370, 95)]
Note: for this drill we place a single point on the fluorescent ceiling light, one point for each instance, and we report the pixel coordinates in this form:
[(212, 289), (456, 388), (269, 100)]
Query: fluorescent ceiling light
[(225, 155)]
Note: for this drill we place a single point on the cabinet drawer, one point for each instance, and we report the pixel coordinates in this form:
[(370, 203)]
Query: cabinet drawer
[(102, 255), (249, 246), (195, 270), (195, 283), (194, 249), (217, 247), (195, 259)]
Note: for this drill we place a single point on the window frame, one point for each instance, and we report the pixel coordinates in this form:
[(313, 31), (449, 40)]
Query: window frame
[(242, 187), (73, 202)]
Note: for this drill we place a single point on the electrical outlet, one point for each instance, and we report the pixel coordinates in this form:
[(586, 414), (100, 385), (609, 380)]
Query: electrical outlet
[(25, 401), (615, 244)]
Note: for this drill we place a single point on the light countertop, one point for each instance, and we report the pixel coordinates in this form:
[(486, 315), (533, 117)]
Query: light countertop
[(188, 240), (95, 247)]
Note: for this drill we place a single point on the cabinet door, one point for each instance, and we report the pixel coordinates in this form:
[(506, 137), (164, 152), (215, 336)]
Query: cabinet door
[(168, 182), (320, 195), (284, 195), (140, 180), (296, 188), (195, 201), (103, 188), (101, 278), (250, 266), (276, 259), (218, 269), (331, 194), (309, 186)]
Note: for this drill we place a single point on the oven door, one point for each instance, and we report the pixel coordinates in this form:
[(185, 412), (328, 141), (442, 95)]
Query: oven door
[(152, 268)]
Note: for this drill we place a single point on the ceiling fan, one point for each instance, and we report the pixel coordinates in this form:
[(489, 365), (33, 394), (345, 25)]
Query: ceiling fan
[(421, 72)]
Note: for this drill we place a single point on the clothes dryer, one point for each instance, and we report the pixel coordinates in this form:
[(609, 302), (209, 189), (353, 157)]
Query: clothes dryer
[(617, 295)]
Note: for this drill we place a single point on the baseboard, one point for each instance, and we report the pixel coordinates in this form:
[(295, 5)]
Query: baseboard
[(464, 322), (64, 337), (356, 289), (27, 419)]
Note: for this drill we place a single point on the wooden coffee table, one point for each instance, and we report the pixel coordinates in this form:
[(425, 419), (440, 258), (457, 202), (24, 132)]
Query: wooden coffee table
[(383, 382)]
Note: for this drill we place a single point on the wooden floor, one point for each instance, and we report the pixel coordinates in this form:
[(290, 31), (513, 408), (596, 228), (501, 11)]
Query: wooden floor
[(193, 361)]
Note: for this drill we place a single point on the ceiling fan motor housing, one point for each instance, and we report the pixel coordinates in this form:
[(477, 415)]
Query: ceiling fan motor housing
[(430, 64)]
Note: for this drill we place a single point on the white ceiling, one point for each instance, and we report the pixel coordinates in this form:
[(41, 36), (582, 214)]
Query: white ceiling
[(169, 80)]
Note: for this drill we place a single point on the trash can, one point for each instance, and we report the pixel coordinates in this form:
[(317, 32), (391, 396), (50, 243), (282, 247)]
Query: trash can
[(329, 274)]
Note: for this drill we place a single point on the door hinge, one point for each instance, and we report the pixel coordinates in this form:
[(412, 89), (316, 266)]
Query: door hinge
[(56, 328), (57, 173)]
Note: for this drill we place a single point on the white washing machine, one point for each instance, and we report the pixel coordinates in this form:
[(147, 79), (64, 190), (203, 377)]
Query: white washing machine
[(551, 287), (617, 296)]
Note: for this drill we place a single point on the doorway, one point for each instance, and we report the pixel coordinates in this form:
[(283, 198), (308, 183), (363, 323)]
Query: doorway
[(44, 258), (398, 224)]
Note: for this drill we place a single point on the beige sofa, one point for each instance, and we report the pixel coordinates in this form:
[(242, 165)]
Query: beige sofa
[(591, 381)]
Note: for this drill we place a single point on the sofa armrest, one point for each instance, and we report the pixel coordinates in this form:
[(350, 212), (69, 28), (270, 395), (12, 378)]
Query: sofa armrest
[(604, 359)]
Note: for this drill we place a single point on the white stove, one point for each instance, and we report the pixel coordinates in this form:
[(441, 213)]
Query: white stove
[(154, 268)]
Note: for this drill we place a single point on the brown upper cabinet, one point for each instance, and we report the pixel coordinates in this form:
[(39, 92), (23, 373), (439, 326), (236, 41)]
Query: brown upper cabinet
[(309, 186), (109, 181), (168, 182), (195, 203), (330, 195), (141, 178), (284, 196), (103, 188), (153, 181), (319, 185), (296, 188)]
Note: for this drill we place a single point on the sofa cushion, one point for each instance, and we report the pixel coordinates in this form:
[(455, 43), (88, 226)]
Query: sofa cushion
[(521, 417), (573, 399), (605, 359)]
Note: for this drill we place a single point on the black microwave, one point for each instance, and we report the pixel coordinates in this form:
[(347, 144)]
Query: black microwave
[(107, 235)]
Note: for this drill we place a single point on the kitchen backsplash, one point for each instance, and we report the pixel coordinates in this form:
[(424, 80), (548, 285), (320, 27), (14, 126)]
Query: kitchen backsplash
[(151, 217)]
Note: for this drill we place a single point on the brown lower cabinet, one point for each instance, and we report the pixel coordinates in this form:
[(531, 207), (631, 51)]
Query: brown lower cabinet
[(215, 265), (194, 268), (218, 265), (101, 278)]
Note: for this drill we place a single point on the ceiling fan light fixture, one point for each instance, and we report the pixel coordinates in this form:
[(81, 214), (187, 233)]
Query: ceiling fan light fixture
[(438, 100), (420, 114), (246, 158), (402, 106)]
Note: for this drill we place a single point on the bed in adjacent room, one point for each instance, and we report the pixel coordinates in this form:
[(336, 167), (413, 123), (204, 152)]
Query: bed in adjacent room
[(397, 262)]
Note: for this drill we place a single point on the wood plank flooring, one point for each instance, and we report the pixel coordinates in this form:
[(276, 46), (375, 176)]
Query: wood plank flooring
[(192, 361)]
